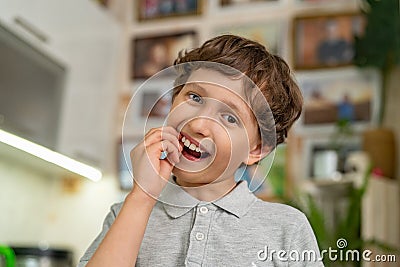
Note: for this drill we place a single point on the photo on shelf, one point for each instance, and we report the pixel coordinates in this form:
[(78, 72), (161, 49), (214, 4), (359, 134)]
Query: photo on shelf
[(103, 3), (269, 34), (154, 105), (149, 105), (125, 145), (323, 1), (342, 94), (239, 2), (157, 9), (323, 160), (325, 41), (152, 54)]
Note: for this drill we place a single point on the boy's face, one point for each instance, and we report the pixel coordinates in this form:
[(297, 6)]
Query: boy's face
[(217, 128)]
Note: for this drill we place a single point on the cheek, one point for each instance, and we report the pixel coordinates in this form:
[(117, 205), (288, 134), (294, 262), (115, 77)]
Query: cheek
[(236, 145), (179, 112)]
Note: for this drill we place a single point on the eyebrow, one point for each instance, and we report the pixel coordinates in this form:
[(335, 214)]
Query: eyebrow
[(231, 104)]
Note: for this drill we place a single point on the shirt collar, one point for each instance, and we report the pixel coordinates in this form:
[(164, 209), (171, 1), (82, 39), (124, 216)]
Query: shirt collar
[(238, 201), (178, 202)]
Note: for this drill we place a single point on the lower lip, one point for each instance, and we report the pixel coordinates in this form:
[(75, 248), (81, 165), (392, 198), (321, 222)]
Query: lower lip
[(190, 157)]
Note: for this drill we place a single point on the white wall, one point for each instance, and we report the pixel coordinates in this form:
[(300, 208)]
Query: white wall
[(36, 208)]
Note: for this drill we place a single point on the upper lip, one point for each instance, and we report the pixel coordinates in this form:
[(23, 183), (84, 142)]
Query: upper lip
[(193, 141)]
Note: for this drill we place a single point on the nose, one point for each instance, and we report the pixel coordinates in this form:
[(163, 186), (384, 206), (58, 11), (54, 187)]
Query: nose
[(202, 125)]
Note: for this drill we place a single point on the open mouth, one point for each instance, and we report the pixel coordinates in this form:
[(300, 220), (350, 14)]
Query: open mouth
[(191, 149)]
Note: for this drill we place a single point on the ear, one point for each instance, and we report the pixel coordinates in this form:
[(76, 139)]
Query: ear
[(257, 154)]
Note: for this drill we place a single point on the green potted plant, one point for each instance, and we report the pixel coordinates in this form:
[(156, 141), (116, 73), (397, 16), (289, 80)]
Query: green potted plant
[(379, 46), (347, 230)]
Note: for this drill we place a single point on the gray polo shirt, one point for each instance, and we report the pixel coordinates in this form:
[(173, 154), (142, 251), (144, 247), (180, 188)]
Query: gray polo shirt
[(237, 230)]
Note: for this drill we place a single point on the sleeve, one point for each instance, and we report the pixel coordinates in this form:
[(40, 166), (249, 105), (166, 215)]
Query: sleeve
[(304, 251), (108, 221)]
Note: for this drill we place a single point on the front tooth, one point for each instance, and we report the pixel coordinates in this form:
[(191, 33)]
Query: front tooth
[(186, 143), (192, 147), (183, 139), (197, 149)]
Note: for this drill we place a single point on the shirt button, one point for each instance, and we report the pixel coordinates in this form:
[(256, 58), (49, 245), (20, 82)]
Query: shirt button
[(199, 236), (203, 210)]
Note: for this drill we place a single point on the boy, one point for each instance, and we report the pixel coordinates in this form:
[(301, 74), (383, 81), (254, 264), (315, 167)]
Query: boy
[(219, 120)]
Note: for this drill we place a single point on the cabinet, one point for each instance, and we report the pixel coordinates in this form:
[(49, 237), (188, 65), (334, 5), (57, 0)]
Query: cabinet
[(86, 40)]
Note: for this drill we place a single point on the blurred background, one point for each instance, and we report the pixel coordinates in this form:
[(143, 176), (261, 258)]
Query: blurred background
[(68, 70)]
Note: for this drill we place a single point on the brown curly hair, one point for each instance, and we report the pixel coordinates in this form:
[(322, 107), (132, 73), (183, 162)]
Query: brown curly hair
[(270, 73)]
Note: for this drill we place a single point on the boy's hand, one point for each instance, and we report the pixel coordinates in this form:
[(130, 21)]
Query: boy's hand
[(149, 171)]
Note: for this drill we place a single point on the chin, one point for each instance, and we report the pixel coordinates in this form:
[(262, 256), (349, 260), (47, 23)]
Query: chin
[(199, 178)]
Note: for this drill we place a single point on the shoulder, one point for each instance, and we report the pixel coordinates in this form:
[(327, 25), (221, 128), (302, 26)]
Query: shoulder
[(277, 214), (285, 221)]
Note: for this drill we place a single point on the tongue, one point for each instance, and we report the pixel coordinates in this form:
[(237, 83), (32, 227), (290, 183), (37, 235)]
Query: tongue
[(192, 152)]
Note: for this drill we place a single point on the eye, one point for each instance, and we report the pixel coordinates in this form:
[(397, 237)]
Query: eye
[(231, 119), (195, 98)]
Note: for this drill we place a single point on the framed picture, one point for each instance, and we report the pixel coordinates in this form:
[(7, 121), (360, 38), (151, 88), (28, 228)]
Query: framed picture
[(341, 94), (156, 9), (155, 53), (149, 106), (268, 34), (239, 2), (322, 162), (103, 3), (325, 41), (125, 145), (323, 1), (154, 105)]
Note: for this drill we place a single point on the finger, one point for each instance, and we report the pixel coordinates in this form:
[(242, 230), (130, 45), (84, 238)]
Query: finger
[(157, 149), (172, 138), (163, 133), (166, 129), (173, 152)]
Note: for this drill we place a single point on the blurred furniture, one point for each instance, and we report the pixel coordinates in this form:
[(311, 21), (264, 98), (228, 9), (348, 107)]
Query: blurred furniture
[(381, 217), (61, 72), (37, 257), (332, 197)]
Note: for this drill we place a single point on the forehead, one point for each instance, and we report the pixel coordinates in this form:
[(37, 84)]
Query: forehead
[(218, 79)]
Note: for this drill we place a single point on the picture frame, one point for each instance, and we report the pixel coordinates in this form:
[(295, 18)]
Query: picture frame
[(151, 54), (268, 33), (312, 2), (317, 161), (161, 9), (225, 3), (149, 106), (124, 172), (325, 41), (340, 94)]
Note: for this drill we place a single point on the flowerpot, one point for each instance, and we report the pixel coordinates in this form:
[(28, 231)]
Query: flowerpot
[(380, 144)]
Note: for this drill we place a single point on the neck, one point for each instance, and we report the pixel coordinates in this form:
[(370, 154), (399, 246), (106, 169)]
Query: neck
[(208, 192)]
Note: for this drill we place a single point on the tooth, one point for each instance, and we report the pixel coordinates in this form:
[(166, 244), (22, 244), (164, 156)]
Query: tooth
[(192, 147), (183, 139), (197, 149), (186, 143)]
